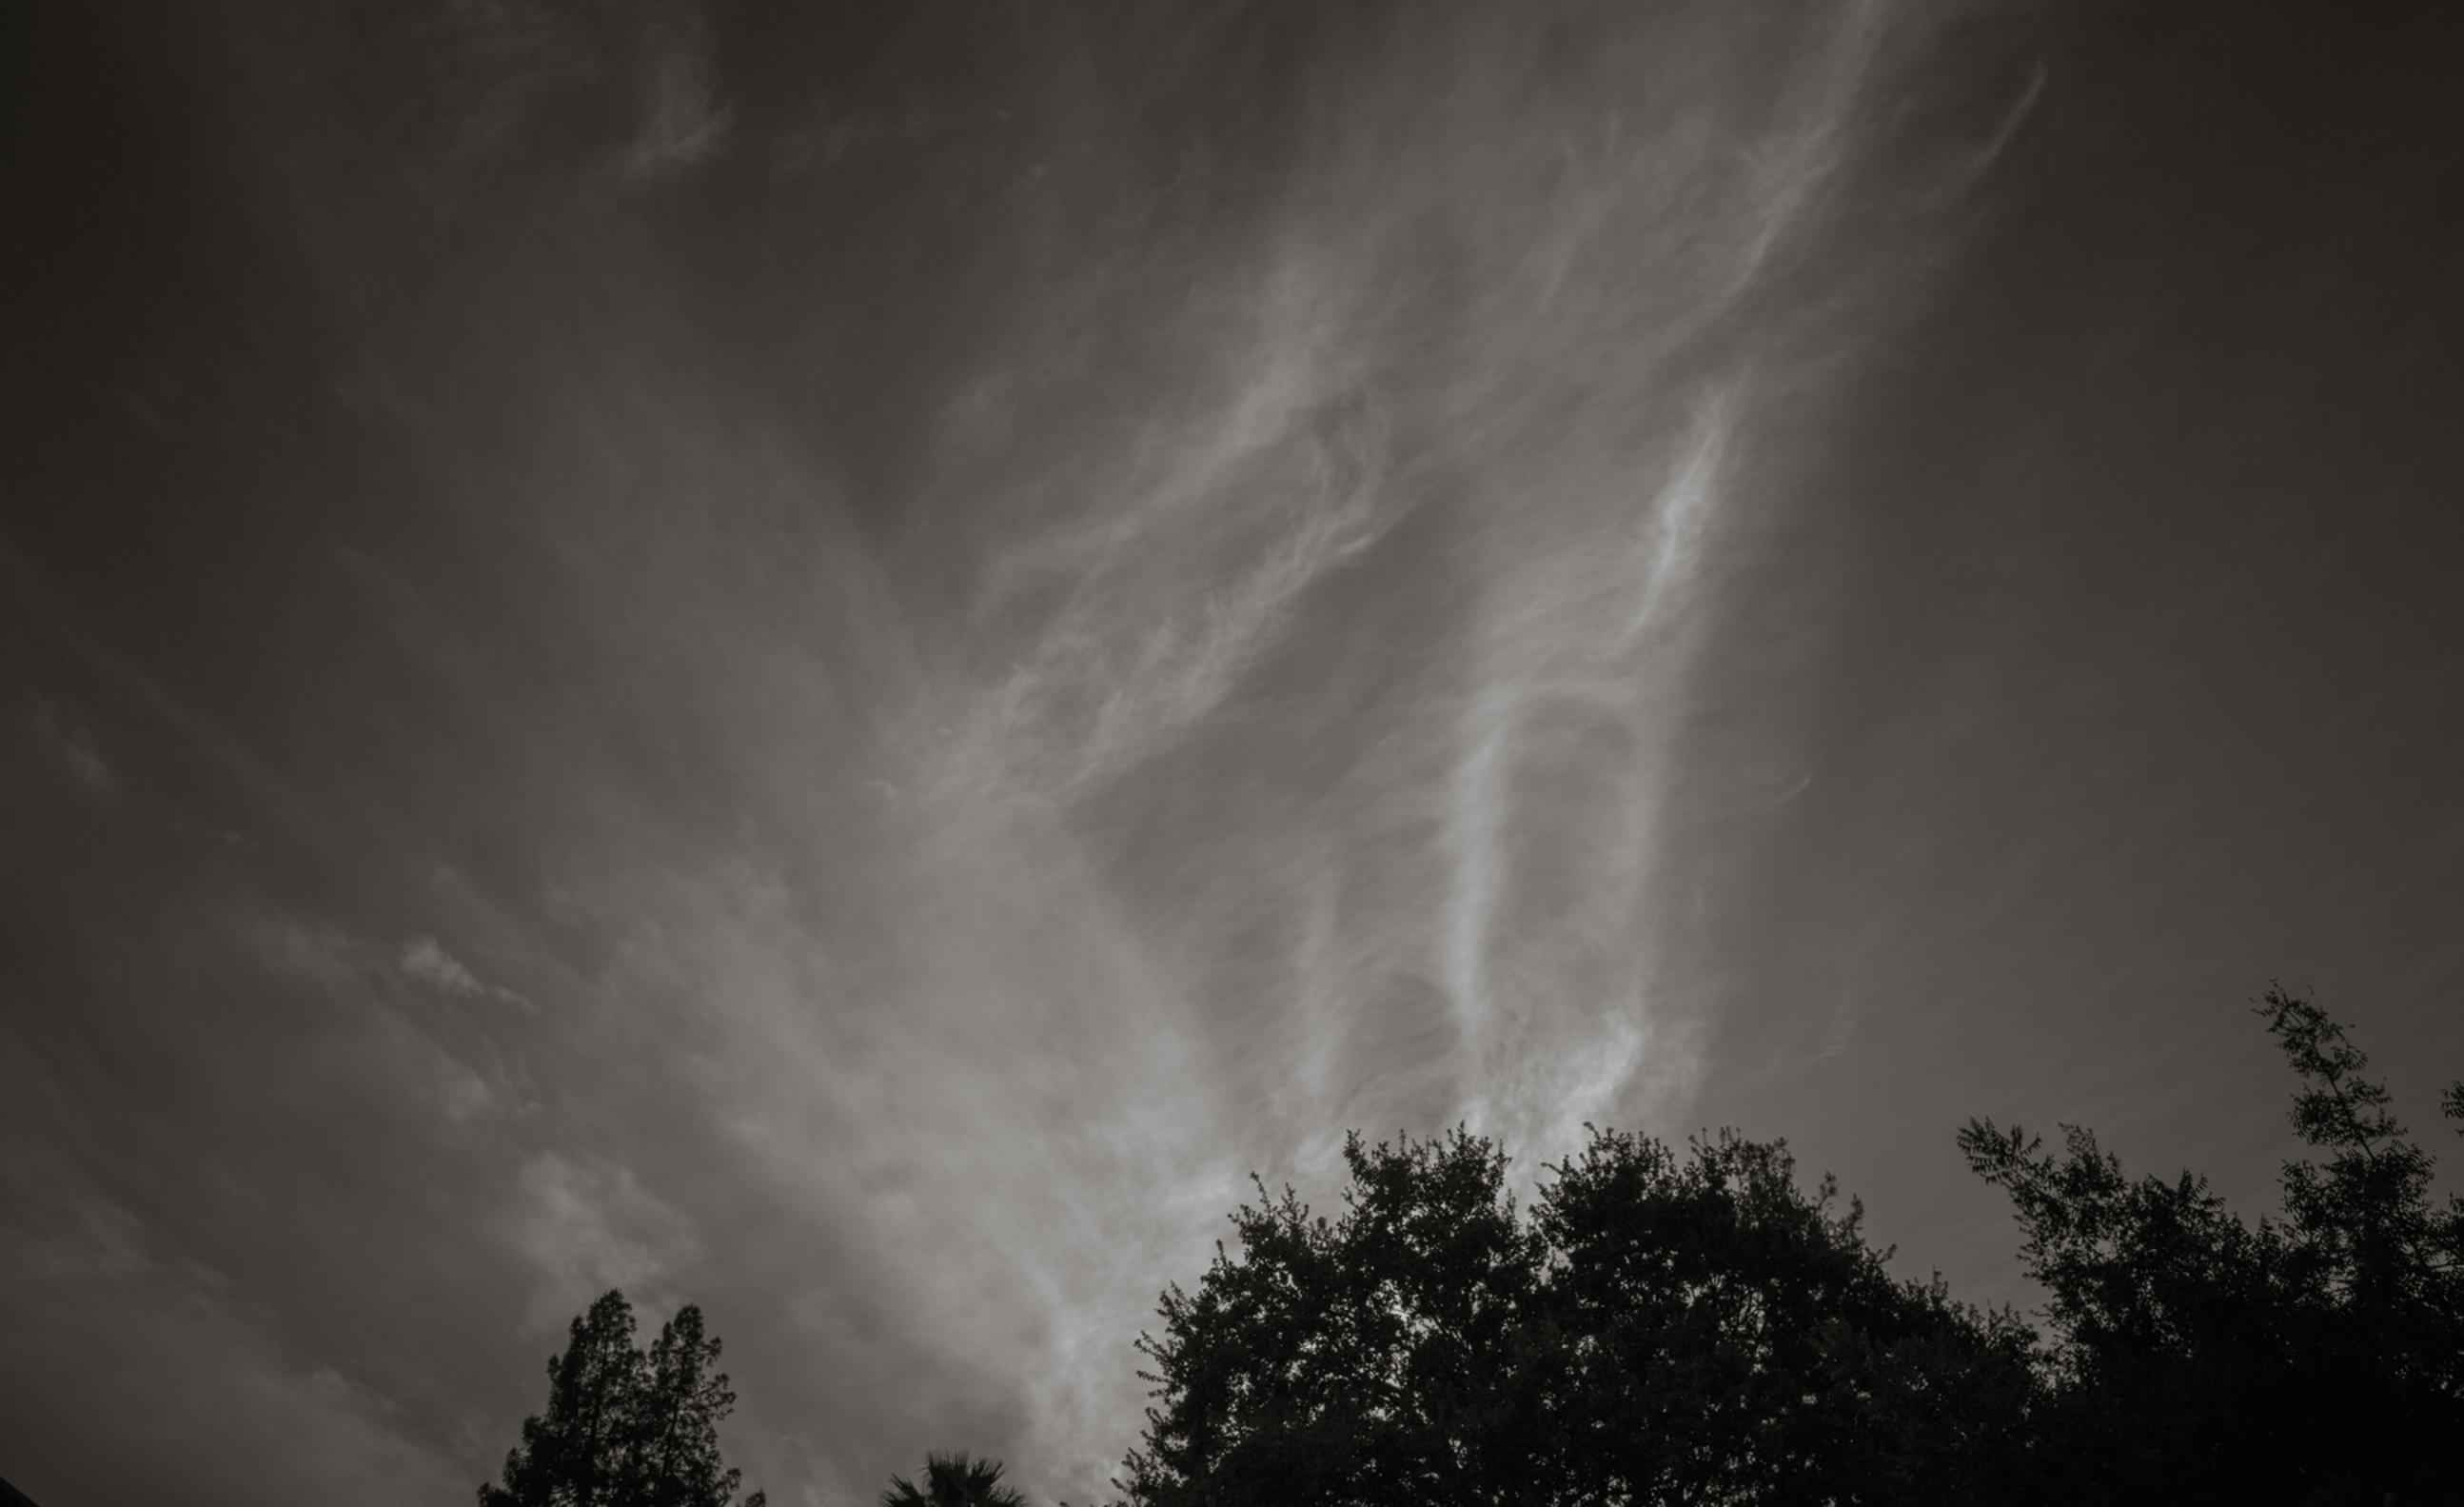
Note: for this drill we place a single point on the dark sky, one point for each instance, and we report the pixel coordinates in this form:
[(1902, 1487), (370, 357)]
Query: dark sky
[(839, 662)]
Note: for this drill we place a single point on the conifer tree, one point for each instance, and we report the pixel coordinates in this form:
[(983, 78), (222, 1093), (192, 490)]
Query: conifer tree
[(625, 1427)]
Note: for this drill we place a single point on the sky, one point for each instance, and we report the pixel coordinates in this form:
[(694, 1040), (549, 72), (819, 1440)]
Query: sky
[(840, 661)]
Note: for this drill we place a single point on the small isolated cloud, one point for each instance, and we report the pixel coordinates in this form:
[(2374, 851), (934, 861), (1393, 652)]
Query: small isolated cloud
[(448, 1064), (432, 965), (73, 745), (293, 946), (462, 1095), (683, 121), (425, 960)]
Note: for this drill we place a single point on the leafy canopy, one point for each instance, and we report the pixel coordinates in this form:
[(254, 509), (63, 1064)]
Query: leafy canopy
[(1696, 1325), (1663, 1327), (2317, 1357)]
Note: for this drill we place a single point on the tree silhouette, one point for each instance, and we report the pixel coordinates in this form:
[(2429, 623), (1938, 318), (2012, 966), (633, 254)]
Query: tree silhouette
[(1737, 1340), (578, 1450), (2317, 1358), (954, 1480), (622, 1427), (1368, 1358), (1696, 1325), (683, 1400), (1663, 1328)]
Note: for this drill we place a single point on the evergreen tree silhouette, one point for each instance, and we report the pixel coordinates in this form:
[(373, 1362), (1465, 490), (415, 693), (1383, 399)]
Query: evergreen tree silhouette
[(625, 1427)]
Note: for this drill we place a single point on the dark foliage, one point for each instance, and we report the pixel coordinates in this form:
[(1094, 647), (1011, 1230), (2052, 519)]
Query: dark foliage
[(1664, 1327), (1695, 1326), (2315, 1358), (1372, 1359), (625, 1427), (1736, 1340), (954, 1480)]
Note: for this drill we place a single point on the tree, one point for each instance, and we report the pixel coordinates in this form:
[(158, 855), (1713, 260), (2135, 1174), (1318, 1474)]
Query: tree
[(1663, 1328), (622, 1427), (1371, 1359), (578, 1451), (684, 1398), (954, 1480), (1736, 1339), (1697, 1326), (2317, 1358)]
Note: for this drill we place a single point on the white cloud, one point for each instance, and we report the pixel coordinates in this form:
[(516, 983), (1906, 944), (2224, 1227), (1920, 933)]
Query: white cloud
[(952, 1014), (425, 959)]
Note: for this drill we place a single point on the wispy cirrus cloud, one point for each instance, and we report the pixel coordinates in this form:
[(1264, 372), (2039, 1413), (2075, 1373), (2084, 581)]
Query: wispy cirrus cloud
[(684, 123), (1539, 317), (1239, 702), (1173, 826)]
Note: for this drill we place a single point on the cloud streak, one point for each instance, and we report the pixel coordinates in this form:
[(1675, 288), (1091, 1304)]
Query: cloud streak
[(1502, 365), (1238, 702), (1173, 862)]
